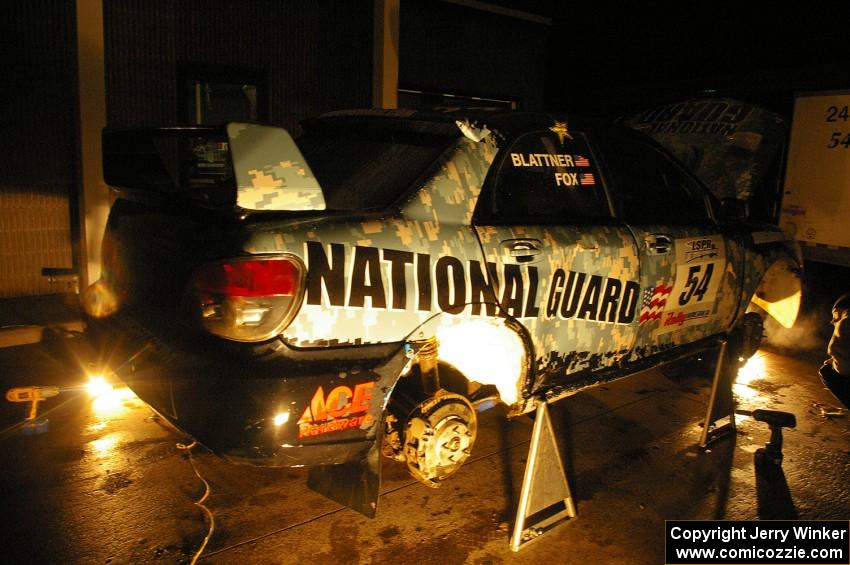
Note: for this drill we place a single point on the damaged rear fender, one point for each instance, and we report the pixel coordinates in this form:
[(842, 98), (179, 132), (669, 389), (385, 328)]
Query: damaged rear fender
[(779, 291), (495, 351)]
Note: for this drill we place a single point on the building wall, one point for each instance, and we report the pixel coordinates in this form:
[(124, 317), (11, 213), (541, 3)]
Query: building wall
[(451, 48), (317, 55), (37, 142), (314, 55)]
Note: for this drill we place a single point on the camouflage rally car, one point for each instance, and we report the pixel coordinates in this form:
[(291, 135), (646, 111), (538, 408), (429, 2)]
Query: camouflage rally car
[(370, 287)]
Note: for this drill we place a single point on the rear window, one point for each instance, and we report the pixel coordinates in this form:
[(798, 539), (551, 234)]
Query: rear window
[(362, 168)]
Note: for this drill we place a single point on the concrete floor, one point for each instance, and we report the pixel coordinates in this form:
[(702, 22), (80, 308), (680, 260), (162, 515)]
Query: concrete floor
[(108, 484)]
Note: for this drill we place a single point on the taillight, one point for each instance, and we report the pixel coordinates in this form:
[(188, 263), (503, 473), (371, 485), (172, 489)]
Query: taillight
[(248, 299)]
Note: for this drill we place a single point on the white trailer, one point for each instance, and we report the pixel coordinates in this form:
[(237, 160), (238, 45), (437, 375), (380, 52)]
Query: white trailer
[(816, 199)]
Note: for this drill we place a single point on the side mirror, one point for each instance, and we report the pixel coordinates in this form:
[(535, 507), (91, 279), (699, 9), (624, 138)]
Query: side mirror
[(735, 209)]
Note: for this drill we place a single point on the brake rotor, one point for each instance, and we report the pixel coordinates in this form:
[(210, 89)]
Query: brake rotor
[(438, 437)]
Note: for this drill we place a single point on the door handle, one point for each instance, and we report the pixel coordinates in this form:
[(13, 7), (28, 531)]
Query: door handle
[(523, 250), (658, 243)]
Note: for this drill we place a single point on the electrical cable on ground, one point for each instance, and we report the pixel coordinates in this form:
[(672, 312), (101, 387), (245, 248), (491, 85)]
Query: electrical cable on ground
[(200, 502)]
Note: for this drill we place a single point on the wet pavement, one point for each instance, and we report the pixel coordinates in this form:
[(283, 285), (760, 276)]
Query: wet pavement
[(107, 483)]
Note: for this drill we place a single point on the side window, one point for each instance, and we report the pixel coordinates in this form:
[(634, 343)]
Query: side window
[(647, 187), (542, 179)]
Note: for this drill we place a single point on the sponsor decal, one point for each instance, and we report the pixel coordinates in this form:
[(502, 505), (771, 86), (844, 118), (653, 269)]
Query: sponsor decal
[(697, 249), (391, 279), (558, 160), (560, 129), (700, 264), (654, 301), (708, 117), (366, 284), (696, 285), (591, 297), (545, 160), (342, 409), (679, 319)]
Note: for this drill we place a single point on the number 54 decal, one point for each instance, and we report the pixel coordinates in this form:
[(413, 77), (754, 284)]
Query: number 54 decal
[(698, 279), (700, 265)]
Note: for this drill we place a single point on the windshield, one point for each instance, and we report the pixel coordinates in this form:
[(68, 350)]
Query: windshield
[(363, 167)]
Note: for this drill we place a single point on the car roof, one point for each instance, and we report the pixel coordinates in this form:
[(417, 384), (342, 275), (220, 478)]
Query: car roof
[(506, 124)]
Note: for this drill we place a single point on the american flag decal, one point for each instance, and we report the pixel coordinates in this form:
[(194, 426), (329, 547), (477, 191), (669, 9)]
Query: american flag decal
[(586, 179), (580, 161), (654, 300)]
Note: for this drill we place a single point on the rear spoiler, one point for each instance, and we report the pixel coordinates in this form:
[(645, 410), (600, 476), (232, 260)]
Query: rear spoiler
[(245, 166)]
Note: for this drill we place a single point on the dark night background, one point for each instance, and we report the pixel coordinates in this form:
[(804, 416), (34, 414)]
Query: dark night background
[(114, 488), (622, 57)]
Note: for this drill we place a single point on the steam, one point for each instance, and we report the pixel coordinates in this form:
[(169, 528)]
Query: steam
[(806, 334)]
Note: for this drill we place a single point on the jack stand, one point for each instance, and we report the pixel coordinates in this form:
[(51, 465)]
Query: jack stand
[(544, 486), (721, 403)]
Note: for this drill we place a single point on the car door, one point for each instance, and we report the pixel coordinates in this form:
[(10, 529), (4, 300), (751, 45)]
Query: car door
[(563, 266), (683, 253)]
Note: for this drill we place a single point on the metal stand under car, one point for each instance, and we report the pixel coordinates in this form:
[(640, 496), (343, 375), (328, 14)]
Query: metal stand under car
[(545, 499), (721, 403)]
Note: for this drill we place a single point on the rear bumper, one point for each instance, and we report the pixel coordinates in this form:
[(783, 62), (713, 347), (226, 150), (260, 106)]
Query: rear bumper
[(290, 408)]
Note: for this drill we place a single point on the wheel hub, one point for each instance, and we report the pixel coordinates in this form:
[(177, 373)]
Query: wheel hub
[(438, 437)]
